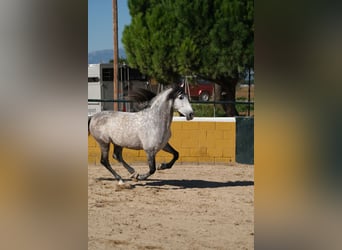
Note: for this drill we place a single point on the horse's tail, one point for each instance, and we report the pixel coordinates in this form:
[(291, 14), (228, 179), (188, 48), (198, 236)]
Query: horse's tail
[(89, 118)]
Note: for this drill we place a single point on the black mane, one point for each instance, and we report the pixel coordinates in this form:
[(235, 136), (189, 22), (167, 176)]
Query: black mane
[(141, 98), (141, 95)]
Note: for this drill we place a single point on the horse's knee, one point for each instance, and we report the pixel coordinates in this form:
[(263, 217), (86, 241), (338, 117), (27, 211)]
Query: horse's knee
[(152, 164), (151, 161), (104, 160), (117, 154)]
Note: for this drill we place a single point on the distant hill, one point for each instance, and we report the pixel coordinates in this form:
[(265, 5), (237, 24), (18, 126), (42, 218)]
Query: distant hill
[(104, 56)]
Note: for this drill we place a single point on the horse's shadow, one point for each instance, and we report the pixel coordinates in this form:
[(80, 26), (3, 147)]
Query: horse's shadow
[(187, 184)]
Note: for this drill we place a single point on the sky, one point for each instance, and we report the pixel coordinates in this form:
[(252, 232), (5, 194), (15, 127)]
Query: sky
[(100, 23)]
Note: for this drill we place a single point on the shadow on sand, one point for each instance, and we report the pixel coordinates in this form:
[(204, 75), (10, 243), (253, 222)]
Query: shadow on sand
[(182, 184)]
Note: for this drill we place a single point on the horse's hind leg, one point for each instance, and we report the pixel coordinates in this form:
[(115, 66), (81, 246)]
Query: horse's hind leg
[(117, 154), (151, 163), (168, 148), (105, 162)]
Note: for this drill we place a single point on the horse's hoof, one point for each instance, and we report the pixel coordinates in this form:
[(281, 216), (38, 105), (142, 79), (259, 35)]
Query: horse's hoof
[(143, 177), (162, 166), (122, 185), (135, 176)]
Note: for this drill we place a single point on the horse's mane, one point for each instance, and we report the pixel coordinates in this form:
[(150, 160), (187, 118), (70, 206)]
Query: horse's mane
[(141, 95), (143, 98)]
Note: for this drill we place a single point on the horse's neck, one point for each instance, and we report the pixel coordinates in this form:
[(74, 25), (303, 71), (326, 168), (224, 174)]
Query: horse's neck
[(161, 102), (167, 114), (164, 108)]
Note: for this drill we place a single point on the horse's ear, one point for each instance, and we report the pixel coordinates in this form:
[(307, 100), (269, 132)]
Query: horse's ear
[(176, 90)]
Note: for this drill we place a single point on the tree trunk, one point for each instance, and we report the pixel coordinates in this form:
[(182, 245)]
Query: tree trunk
[(228, 94), (218, 92)]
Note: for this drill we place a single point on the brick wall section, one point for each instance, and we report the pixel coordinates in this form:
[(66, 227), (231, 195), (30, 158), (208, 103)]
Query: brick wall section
[(202, 140)]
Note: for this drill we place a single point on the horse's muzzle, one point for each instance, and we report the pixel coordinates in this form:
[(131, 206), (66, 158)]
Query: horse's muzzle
[(190, 116)]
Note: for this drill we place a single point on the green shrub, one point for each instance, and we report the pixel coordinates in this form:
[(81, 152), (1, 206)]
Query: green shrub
[(208, 110), (243, 107), (211, 110)]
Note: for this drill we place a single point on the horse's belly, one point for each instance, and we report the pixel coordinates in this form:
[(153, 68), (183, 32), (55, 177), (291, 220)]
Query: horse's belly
[(128, 140)]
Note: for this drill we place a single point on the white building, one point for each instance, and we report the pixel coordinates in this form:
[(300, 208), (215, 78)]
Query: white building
[(100, 85)]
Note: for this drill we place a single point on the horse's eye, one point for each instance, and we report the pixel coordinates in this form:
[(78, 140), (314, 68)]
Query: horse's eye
[(181, 97)]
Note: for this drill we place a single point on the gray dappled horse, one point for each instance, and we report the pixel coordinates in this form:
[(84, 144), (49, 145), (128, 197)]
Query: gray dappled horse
[(148, 129)]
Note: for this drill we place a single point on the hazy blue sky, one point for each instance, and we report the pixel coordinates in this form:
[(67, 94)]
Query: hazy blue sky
[(100, 23)]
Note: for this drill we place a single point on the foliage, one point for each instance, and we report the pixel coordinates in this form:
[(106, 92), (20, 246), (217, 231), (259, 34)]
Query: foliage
[(210, 38), (208, 110), (244, 107)]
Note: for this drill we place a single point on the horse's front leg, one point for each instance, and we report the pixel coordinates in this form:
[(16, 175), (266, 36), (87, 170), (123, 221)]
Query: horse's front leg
[(168, 148), (151, 157)]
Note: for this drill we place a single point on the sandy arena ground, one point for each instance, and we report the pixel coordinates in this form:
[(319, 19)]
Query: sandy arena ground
[(203, 206)]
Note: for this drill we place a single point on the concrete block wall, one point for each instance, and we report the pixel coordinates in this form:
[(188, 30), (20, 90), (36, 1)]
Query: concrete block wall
[(202, 140)]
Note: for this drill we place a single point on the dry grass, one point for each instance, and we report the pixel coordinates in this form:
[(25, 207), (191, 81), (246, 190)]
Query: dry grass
[(242, 92)]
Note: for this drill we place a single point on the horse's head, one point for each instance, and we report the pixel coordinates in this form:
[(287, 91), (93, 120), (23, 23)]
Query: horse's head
[(182, 104)]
